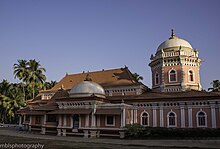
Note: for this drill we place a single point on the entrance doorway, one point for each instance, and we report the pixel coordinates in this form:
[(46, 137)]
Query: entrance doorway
[(76, 121)]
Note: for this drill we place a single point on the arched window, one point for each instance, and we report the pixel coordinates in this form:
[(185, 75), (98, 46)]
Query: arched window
[(171, 119), (201, 119), (172, 75), (191, 76), (156, 78), (144, 119)]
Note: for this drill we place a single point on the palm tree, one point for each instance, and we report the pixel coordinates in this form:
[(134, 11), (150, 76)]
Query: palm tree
[(137, 77), (36, 77), (11, 99), (215, 86), (21, 72), (49, 85)]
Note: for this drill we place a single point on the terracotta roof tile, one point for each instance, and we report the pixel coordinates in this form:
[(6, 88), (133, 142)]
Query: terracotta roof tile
[(106, 78)]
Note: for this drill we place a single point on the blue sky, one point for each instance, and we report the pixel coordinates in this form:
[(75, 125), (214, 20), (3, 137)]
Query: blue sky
[(90, 35)]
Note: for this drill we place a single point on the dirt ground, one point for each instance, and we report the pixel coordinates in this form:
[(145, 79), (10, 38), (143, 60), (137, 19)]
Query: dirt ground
[(9, 136)]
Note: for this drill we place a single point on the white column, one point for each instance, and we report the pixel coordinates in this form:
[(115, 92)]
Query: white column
[(154, 117), (93, 120), (20, 120), (64, 120), (213, 115), (161, 117), (123, 117), (24, 118), (30, 122), (71, 121), (79, 121), (87, 121), (45, 119), (135, 116), (182, 116), (132, 118), (60, 121), (190, 117)]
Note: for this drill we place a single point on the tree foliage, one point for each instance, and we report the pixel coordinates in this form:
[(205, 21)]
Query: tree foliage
[(13, 96), (215, 86)]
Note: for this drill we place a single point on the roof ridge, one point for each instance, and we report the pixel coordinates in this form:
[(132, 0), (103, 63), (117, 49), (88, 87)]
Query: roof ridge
[(95, 71)]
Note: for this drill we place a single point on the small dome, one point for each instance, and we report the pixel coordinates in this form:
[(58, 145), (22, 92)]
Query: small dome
[(87, 89), (174, 41)]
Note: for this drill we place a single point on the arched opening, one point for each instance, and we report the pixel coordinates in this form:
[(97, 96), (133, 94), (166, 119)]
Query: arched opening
[(76, 121), (201, 119), (172, 76), (191, 76), (156, 78), (171, 119), (145, 119)]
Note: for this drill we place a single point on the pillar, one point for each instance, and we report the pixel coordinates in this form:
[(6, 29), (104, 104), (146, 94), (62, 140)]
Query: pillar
[(20, 120), (161, 117), (182, 115), (30, 122), (154, 117), (135, 116), (213, 114), (123, 118), (87, 121), (64, 121), (45, 119), (93, 120), (190, 117), (60, 121)]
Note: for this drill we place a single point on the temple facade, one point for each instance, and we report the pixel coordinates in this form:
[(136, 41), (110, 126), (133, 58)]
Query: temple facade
[(101, 103)]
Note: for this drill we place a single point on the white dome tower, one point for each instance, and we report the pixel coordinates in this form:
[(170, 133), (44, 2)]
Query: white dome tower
[(175, 66)]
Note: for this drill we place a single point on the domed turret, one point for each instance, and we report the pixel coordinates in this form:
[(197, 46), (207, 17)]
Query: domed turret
[(175, 66), (174, 41), (87, 89)]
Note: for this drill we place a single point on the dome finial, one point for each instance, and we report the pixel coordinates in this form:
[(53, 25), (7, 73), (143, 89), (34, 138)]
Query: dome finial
[(88, 78), (172, 34)]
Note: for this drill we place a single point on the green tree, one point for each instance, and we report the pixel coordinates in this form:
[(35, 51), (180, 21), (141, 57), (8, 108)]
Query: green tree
[(11, 99), (21, 72), (215, 86), (32, 77), (36, 78), (49, 85)]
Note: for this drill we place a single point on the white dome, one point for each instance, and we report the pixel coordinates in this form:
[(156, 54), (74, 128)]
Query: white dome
[(174, 41), (87, 89)]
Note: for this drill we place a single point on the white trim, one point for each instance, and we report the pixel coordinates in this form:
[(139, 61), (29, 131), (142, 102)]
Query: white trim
[(175, 74), (141, 116), (197, 118), (106, 120), (189, 80), (168, 118)]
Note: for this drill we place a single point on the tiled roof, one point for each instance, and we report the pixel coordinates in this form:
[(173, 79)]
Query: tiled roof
[(162, 96), (106, 78)]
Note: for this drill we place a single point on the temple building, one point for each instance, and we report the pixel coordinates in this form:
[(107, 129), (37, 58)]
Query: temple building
[(101, 103)]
